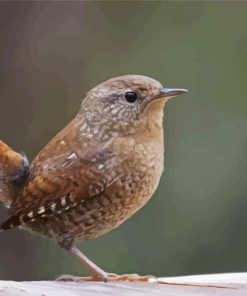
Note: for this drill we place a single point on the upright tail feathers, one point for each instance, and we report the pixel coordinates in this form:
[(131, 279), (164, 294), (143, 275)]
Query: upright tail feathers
[(13, 173)]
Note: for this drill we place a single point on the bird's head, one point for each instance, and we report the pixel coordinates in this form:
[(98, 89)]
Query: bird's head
[(127, 102)]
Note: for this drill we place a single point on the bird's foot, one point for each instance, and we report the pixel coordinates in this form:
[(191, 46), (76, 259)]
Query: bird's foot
[(110, 277)]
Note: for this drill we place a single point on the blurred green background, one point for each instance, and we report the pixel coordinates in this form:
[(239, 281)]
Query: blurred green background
[(52, 53)]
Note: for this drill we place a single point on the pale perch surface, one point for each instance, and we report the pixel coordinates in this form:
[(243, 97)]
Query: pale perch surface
[(234, 284)]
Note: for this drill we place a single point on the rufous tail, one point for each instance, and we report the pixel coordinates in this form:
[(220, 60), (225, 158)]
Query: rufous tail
[(13, 173)]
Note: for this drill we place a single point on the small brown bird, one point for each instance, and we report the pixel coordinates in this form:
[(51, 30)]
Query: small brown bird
[(99, 170)]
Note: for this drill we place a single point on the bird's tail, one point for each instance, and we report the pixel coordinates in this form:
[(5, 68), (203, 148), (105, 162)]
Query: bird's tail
[(14, 169)]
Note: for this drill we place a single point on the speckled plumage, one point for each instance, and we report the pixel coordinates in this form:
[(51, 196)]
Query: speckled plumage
[(100, 169)]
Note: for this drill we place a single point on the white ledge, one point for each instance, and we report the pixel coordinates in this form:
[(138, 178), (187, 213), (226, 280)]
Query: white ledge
[(231, 284)]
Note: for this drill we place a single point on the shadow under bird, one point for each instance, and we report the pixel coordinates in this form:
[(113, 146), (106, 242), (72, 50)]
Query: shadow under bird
[(95, 173)]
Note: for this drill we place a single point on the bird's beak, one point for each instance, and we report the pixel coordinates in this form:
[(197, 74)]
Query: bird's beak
[(171, 92), (165, 94)]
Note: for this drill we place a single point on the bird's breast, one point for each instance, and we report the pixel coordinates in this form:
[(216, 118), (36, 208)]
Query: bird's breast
[(141, 173)]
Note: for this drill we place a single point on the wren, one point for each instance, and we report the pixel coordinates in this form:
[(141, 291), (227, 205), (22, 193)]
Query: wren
[(98, 171)]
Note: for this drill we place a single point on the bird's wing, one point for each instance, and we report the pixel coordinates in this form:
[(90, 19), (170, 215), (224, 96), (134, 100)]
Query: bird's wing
[(63, 182)]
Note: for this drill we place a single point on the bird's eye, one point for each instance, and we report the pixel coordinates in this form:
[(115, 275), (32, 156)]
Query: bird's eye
[(130, 96)]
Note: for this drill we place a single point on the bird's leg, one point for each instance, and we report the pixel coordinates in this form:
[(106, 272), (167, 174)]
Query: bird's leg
[(99, 274)]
